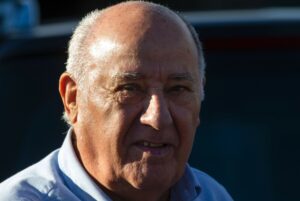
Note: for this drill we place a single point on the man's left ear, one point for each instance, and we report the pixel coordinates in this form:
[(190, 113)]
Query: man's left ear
[(68, 93)]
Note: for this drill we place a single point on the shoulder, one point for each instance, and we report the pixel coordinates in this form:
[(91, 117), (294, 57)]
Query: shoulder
[(210, 188), (32, 183)]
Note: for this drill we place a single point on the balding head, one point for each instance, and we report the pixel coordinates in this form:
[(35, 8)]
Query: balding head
[(130, 22)]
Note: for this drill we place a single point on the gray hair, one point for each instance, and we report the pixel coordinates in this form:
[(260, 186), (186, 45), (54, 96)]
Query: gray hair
[(201, 59), (78, 56), (78, 61)]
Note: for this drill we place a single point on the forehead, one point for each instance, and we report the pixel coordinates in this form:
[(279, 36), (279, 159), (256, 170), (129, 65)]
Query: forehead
[(146, 41), (150, 60), (137, 68)]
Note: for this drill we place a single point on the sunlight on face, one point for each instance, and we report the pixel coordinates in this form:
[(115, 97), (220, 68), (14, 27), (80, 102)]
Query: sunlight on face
[(103, 48)]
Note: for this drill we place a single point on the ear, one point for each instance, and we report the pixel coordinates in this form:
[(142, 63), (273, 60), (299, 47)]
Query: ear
[(68, 93)]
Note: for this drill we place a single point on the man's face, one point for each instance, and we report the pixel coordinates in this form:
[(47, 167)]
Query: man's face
[(138, 109)]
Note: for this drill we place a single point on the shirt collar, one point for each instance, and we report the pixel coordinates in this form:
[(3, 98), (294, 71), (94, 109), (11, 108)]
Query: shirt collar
[(74, 174)]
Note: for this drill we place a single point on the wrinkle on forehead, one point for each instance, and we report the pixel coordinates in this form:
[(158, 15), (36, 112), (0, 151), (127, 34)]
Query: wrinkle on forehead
[(134, 76)]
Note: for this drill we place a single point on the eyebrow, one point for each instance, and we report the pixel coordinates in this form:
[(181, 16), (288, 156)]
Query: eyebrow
[(181, 77), (129, 76), (133, 76)]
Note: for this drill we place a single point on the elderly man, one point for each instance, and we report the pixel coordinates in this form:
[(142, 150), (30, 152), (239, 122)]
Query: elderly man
[(132, 94)]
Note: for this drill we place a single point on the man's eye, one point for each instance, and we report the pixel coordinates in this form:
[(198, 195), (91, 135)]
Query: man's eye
[(130, 88), (129, 93), (179, 89), (181, 94)]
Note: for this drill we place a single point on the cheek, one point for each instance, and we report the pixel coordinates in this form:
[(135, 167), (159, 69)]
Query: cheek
[(186, 120), (127, 120), (186, 117)]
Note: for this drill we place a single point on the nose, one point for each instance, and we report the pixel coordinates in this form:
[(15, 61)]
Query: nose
[(156, 114)]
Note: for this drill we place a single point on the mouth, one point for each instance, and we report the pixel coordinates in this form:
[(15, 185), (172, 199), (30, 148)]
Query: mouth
[(154, 149), (152, 145)]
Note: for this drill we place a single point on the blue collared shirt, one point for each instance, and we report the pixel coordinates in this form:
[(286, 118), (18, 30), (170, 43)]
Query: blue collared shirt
[(61, 177)]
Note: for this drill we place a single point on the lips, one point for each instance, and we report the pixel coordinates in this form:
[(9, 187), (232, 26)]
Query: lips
[(152, 145), (154, 148)]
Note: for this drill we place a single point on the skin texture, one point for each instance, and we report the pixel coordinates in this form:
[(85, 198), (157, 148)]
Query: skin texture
[(143, 87)]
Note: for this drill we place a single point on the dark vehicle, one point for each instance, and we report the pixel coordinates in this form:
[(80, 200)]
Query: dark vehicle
[(249, 134)]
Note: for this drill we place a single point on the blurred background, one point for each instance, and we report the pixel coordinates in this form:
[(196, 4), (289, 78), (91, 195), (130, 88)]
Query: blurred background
[(249, 135)]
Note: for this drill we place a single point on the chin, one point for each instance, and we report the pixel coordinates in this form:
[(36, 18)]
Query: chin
[(153, 177)]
